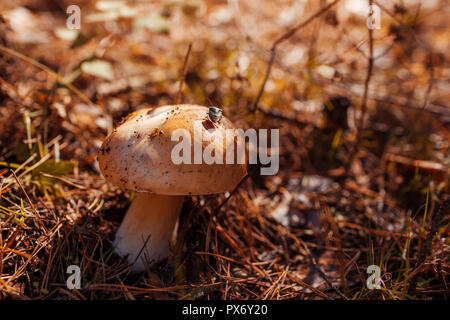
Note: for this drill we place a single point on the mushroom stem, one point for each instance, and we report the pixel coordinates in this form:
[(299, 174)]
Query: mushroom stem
[(151, 216)]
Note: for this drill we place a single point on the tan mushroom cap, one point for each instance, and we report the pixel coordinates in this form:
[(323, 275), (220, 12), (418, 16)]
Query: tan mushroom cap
[(137, 154)]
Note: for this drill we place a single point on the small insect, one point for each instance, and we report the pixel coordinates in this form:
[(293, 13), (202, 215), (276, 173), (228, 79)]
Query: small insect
[(215, 114)]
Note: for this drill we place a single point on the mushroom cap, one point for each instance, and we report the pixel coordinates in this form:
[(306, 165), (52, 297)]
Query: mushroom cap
[(137, 154)]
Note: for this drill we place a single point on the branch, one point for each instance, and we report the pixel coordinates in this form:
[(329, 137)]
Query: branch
[(360, 124), (366, 85), (281, 39), (183, 75)]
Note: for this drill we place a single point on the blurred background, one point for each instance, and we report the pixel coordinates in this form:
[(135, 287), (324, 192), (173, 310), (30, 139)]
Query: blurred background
[(364, 123)]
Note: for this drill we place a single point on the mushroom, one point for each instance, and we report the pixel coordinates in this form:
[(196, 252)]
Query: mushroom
[(138, 155)]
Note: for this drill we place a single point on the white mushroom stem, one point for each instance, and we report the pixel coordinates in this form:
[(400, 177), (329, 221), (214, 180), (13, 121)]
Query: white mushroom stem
[(152, 217)]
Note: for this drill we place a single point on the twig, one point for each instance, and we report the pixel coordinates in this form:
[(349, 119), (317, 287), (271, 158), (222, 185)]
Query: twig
[(183, 75), (277, 114), (30, 202), (281, 39), (308, 286), (360, 123), (20, 253), (67, 181), (320, 271), (424, 165), (231, 194), (366, 82), (220, 257), (49, 71), (266, 77), (426, 100)]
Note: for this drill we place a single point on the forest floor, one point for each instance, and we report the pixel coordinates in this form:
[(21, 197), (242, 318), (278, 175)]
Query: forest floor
[(364, 120)]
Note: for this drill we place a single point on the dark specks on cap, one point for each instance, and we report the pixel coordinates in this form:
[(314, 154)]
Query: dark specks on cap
[(123, 180)]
